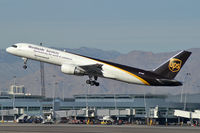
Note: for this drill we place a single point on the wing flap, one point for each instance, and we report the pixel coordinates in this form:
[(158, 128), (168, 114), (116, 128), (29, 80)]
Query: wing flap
[(94, 70)]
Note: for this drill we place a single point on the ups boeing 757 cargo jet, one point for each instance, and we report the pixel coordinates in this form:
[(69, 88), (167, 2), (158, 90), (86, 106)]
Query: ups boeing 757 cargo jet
[(80, 65)]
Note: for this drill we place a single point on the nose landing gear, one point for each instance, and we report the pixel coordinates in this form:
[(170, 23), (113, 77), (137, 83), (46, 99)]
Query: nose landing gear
[(25, 62)]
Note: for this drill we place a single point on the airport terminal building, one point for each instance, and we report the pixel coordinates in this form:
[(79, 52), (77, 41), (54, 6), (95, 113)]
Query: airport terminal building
[(119, 106)]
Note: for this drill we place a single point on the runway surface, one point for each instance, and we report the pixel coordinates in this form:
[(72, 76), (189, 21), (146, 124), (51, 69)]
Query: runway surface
[(64, 128)]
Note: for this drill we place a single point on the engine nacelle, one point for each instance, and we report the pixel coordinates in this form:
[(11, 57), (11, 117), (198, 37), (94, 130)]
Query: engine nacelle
[(72, 70)]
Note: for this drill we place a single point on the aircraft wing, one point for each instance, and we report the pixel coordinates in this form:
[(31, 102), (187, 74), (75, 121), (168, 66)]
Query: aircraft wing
[(94, 70)]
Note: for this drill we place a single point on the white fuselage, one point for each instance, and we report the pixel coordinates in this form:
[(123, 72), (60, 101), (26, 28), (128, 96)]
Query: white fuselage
[(60, 58)]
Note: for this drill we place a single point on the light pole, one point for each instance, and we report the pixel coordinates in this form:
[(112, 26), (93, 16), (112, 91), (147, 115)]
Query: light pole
[(14, 95), (115, 98), (185, 80), (185, 102), (53, 92), (145, 106), (63, 90), (14, 91)]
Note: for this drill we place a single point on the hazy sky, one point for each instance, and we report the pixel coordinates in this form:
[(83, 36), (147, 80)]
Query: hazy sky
[(121, 25)]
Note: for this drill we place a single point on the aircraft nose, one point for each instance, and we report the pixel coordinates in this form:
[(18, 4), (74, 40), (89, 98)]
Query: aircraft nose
[(9, 50)]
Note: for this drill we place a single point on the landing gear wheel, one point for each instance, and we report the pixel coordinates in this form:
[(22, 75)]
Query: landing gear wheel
[(95, 78), (25, 67), (97, 83), (92, 83), (88, 82)]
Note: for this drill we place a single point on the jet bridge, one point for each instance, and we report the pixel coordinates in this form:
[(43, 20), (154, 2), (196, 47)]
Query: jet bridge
[(187, 114)]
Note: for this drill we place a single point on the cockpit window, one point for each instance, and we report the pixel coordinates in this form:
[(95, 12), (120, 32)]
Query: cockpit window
[(15, 46)]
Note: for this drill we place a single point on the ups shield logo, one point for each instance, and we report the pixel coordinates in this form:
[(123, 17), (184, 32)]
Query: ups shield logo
[(175, 65)]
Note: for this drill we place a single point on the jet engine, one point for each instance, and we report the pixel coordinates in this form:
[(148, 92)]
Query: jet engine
[(72, 70)]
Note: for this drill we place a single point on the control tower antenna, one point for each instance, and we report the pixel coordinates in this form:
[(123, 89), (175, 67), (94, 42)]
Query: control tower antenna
[(42, 77)]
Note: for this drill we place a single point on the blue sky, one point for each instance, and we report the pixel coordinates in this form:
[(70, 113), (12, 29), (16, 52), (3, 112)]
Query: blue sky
[(121, 25)]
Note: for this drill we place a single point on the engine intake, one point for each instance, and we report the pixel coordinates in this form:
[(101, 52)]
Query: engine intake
[(72, 70)]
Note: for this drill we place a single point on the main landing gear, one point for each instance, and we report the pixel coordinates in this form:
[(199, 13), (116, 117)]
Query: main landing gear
[(25, 62), (92, 82)]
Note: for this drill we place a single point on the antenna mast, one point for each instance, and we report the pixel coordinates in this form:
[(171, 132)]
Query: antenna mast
[(42, 77)]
